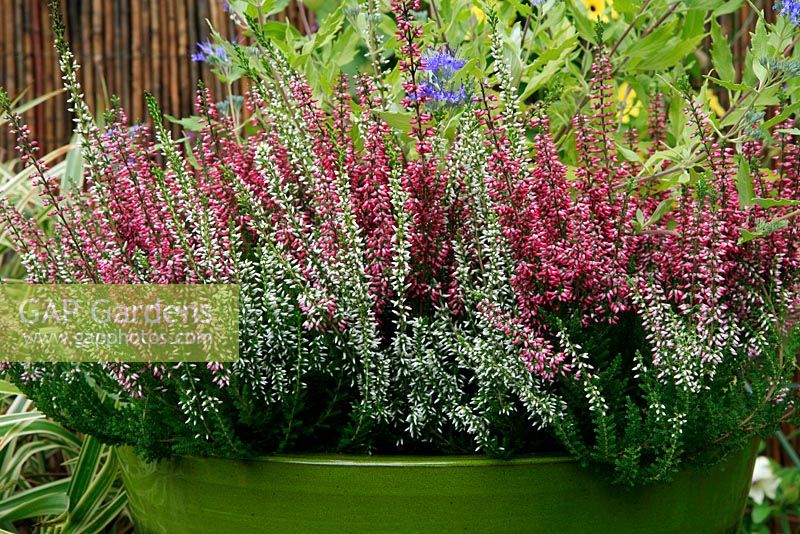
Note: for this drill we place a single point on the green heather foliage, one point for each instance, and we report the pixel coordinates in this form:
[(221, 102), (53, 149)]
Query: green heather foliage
[(458, 226)]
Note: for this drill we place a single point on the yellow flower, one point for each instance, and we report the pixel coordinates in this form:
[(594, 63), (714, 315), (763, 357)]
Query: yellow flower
[(713, 104), (614, 14), (478, 13), (629, 106), (601, 9), (596, 8)]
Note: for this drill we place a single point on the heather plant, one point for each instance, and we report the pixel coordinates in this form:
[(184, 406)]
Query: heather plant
[(16, 187), (431, 262)]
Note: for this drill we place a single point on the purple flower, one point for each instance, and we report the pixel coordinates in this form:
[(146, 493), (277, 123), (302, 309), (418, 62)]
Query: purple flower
[(440, 88), (129, 132), (442, 64), (791, 9), (210, 52), (453, 97)]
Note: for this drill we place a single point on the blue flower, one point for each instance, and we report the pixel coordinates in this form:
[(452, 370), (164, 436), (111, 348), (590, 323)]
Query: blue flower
[(442, 64), (210, 52), (440, 88), (791, 9), (451, 97)]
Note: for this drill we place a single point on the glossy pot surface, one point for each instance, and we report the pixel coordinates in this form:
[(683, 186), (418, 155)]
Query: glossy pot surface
[(424, 494)]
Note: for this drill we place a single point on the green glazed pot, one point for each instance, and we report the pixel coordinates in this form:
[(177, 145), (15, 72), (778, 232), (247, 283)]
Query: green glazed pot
[(423, 494)]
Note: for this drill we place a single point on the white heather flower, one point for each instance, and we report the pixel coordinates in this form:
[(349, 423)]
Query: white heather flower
[(765, 481)]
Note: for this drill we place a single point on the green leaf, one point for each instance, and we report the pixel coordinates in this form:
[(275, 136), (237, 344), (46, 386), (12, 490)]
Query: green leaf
[(627, 6), (734, 116), (345, 48), (748, 235), (102, 475), (701, 4), (775, 203), (540, 79), (664, 207), (44, 500), (677, 118), (38, 425), (584, 25), (254, 8), (721, 56), (762, 229), (706, 5), (694, 23), (72, 179), (15, 457), (397, 120), (782, 116), (744, 183), (781, 35), (767, 97), (104, 517), (729, 85), (759, 48), (761, 512), (628, 154), (277, 30), (9, 419), (327, 30), (640, 220), (522, 9), (661, 49), (273, 7), (83, 473), (651, 44), (673, 54), (32, 103), (549, 63), (727, 7), (192, 124), (7, 388)]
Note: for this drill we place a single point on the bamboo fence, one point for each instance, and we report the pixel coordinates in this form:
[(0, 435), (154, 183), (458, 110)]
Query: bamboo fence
[(127, 47), (124, 47)]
